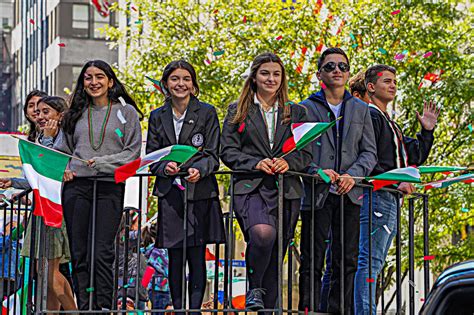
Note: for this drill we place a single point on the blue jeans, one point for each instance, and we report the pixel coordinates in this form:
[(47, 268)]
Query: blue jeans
[(384, 207), (159, 300)]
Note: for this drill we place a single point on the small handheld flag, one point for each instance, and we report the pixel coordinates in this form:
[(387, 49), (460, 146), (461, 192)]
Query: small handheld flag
[(176, 153), (44, 169), (304, 133)]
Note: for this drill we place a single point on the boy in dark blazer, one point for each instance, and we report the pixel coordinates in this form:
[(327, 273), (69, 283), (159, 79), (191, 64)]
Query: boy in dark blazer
[(348, 150)]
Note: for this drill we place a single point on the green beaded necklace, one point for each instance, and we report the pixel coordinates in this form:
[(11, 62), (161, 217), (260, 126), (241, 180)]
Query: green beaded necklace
[(102, 129)]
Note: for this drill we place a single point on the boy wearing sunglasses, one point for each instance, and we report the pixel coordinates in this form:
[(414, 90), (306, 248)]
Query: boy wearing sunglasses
[(394, 150), (345, 151)]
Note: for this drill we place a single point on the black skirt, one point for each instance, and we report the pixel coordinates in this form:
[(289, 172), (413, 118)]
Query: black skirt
[(205, 221), (261, 207)]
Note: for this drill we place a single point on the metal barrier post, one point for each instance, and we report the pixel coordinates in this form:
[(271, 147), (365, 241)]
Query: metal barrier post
[(280, 242), (2, 286), (93, 227), (125, 240), (311, 241), (341, 272), (411, 254), (185, 244), (370, 277), (43, 271), (399, 259), (216, 276), (290, 273), (31, 272), (139, 240), (426, 245)]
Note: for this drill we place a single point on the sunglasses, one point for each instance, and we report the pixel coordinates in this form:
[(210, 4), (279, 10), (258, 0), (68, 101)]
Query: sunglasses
[(331, 66)]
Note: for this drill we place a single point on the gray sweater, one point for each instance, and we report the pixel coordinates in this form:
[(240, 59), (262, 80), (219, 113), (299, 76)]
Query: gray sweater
[(122, 140)]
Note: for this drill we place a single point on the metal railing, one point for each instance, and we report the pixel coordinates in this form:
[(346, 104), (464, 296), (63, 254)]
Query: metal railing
[(32, 277)]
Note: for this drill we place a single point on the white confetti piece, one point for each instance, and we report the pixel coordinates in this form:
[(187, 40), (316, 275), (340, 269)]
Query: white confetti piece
[(387, 229), (378, 214), (411, 283), (120, 117), (122, 101)]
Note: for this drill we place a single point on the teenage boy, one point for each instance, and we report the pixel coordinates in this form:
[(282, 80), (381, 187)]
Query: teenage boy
[(394, 150), (345, 151), (357, 89)]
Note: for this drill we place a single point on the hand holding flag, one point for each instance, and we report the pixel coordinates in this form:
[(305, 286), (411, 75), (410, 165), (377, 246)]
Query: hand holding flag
[(176, 153)]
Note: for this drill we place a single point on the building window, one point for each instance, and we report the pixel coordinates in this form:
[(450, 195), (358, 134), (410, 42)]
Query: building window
[(80, 20), (99, 24), (76, 71)]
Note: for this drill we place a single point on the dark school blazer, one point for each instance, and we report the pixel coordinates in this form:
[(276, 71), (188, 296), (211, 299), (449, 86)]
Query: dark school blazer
[(200, 129), (358, 152), (244, 145)]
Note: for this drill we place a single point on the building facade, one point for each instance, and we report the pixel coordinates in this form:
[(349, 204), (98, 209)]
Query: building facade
[(6, 63), (51, 41)]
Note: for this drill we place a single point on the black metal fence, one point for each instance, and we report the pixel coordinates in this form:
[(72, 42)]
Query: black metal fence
[(24, 285)]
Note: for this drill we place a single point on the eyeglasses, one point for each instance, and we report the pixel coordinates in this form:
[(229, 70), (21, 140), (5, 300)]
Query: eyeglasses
[(331, 66)]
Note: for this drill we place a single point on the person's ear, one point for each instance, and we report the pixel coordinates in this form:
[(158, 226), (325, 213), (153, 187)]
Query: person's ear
[(371, 87), (318, 75), (111, 83), (356, 94)]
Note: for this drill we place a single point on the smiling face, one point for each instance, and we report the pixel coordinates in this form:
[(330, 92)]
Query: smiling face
[(268, 78), (96, 83), (385, 88), (45, 114), (335, 78), (31, 110), (179, 84)]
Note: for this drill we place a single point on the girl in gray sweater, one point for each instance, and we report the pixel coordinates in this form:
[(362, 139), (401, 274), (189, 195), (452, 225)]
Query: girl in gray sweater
[(102, 126)]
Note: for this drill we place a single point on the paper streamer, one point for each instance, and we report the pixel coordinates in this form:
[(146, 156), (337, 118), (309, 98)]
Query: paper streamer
[(149, 271), (119, 132), (6, 201), (122, 101), (121, 118), (429, 257)]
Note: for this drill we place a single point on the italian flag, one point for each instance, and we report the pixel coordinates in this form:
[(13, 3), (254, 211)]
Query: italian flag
[(44, 169), (466, 178), (176, 153), (156, 84), (304, 133), (406, 174), (440, 169)]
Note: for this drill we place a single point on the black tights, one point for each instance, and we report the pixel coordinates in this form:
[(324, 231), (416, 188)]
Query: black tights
[(196, 258), (262, 261)]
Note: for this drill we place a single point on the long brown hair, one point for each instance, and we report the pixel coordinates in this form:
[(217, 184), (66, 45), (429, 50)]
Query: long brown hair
[(248, 92)]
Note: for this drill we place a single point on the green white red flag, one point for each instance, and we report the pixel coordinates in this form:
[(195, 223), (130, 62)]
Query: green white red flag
[(176, 153), (44, 169), (466, 178), (440, 169), (304, 133), (405, 174), (156, 84)]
